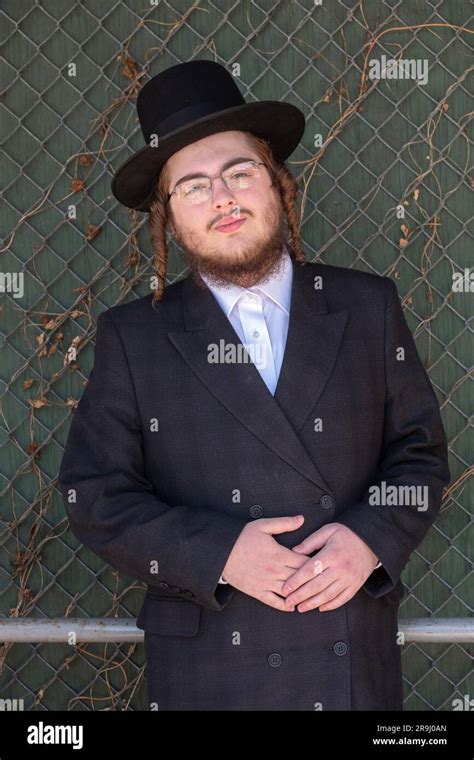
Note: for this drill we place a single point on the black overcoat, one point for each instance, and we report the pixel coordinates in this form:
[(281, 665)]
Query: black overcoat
[(170, 455)]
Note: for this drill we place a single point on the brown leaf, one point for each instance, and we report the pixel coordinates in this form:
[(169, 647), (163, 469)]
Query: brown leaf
[(52, 323), (92, 232), (85, 160), (56, 341), (129, 68), (32, 448), (403, 242), (28, 383), (37, 403), (70, 355), (77, 185), (327, 96)]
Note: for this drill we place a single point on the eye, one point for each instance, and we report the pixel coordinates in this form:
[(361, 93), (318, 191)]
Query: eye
[(195, 187), (241, 173)]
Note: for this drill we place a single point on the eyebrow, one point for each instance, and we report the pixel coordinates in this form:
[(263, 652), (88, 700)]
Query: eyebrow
[(225, 166)]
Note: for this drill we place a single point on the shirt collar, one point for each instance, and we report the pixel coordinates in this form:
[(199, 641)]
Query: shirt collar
[(277, 288)]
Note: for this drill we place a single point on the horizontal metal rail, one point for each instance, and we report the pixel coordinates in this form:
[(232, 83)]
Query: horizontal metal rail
[(124, 630)]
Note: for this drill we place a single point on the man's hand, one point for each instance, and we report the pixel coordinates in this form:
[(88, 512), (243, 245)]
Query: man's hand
[(332, 577), (259, 566)]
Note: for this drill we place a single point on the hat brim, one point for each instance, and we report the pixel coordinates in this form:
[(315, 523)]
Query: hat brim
[(282, 124)]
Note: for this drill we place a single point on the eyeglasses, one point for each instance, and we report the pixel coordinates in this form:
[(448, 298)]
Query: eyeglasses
[(237, 177)]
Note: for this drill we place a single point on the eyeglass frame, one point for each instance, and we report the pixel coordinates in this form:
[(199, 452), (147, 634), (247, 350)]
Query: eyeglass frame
[(257, 163)]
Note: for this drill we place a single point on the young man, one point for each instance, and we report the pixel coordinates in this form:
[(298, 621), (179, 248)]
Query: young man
[(258, 442)]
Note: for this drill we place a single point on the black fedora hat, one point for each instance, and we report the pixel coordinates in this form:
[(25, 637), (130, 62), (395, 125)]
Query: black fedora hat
[(190, 101)]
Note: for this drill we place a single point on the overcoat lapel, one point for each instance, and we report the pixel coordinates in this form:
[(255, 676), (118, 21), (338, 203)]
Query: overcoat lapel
[(313, 343)]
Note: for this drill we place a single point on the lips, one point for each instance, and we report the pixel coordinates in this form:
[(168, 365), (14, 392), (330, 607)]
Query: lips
[(230, 220)]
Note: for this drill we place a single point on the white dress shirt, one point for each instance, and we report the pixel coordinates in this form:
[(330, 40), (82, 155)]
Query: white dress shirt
[(260, 316)]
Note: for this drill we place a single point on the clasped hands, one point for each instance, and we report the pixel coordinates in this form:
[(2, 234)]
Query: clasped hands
[(334, 575)]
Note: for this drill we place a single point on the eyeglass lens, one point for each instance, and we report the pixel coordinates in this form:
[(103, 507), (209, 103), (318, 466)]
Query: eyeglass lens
[(237, 177)]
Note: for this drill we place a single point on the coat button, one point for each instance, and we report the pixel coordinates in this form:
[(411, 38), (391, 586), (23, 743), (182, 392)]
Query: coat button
[(340, 648), (188, 593), (326, 501), (176, 589), (274, 659), (165, 585), (256, 510)]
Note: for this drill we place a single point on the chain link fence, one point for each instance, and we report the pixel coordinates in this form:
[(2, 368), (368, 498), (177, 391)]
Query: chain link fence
[(384, 175)]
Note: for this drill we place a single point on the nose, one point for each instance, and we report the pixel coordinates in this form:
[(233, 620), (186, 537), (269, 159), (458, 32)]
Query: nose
[(222, 197)]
